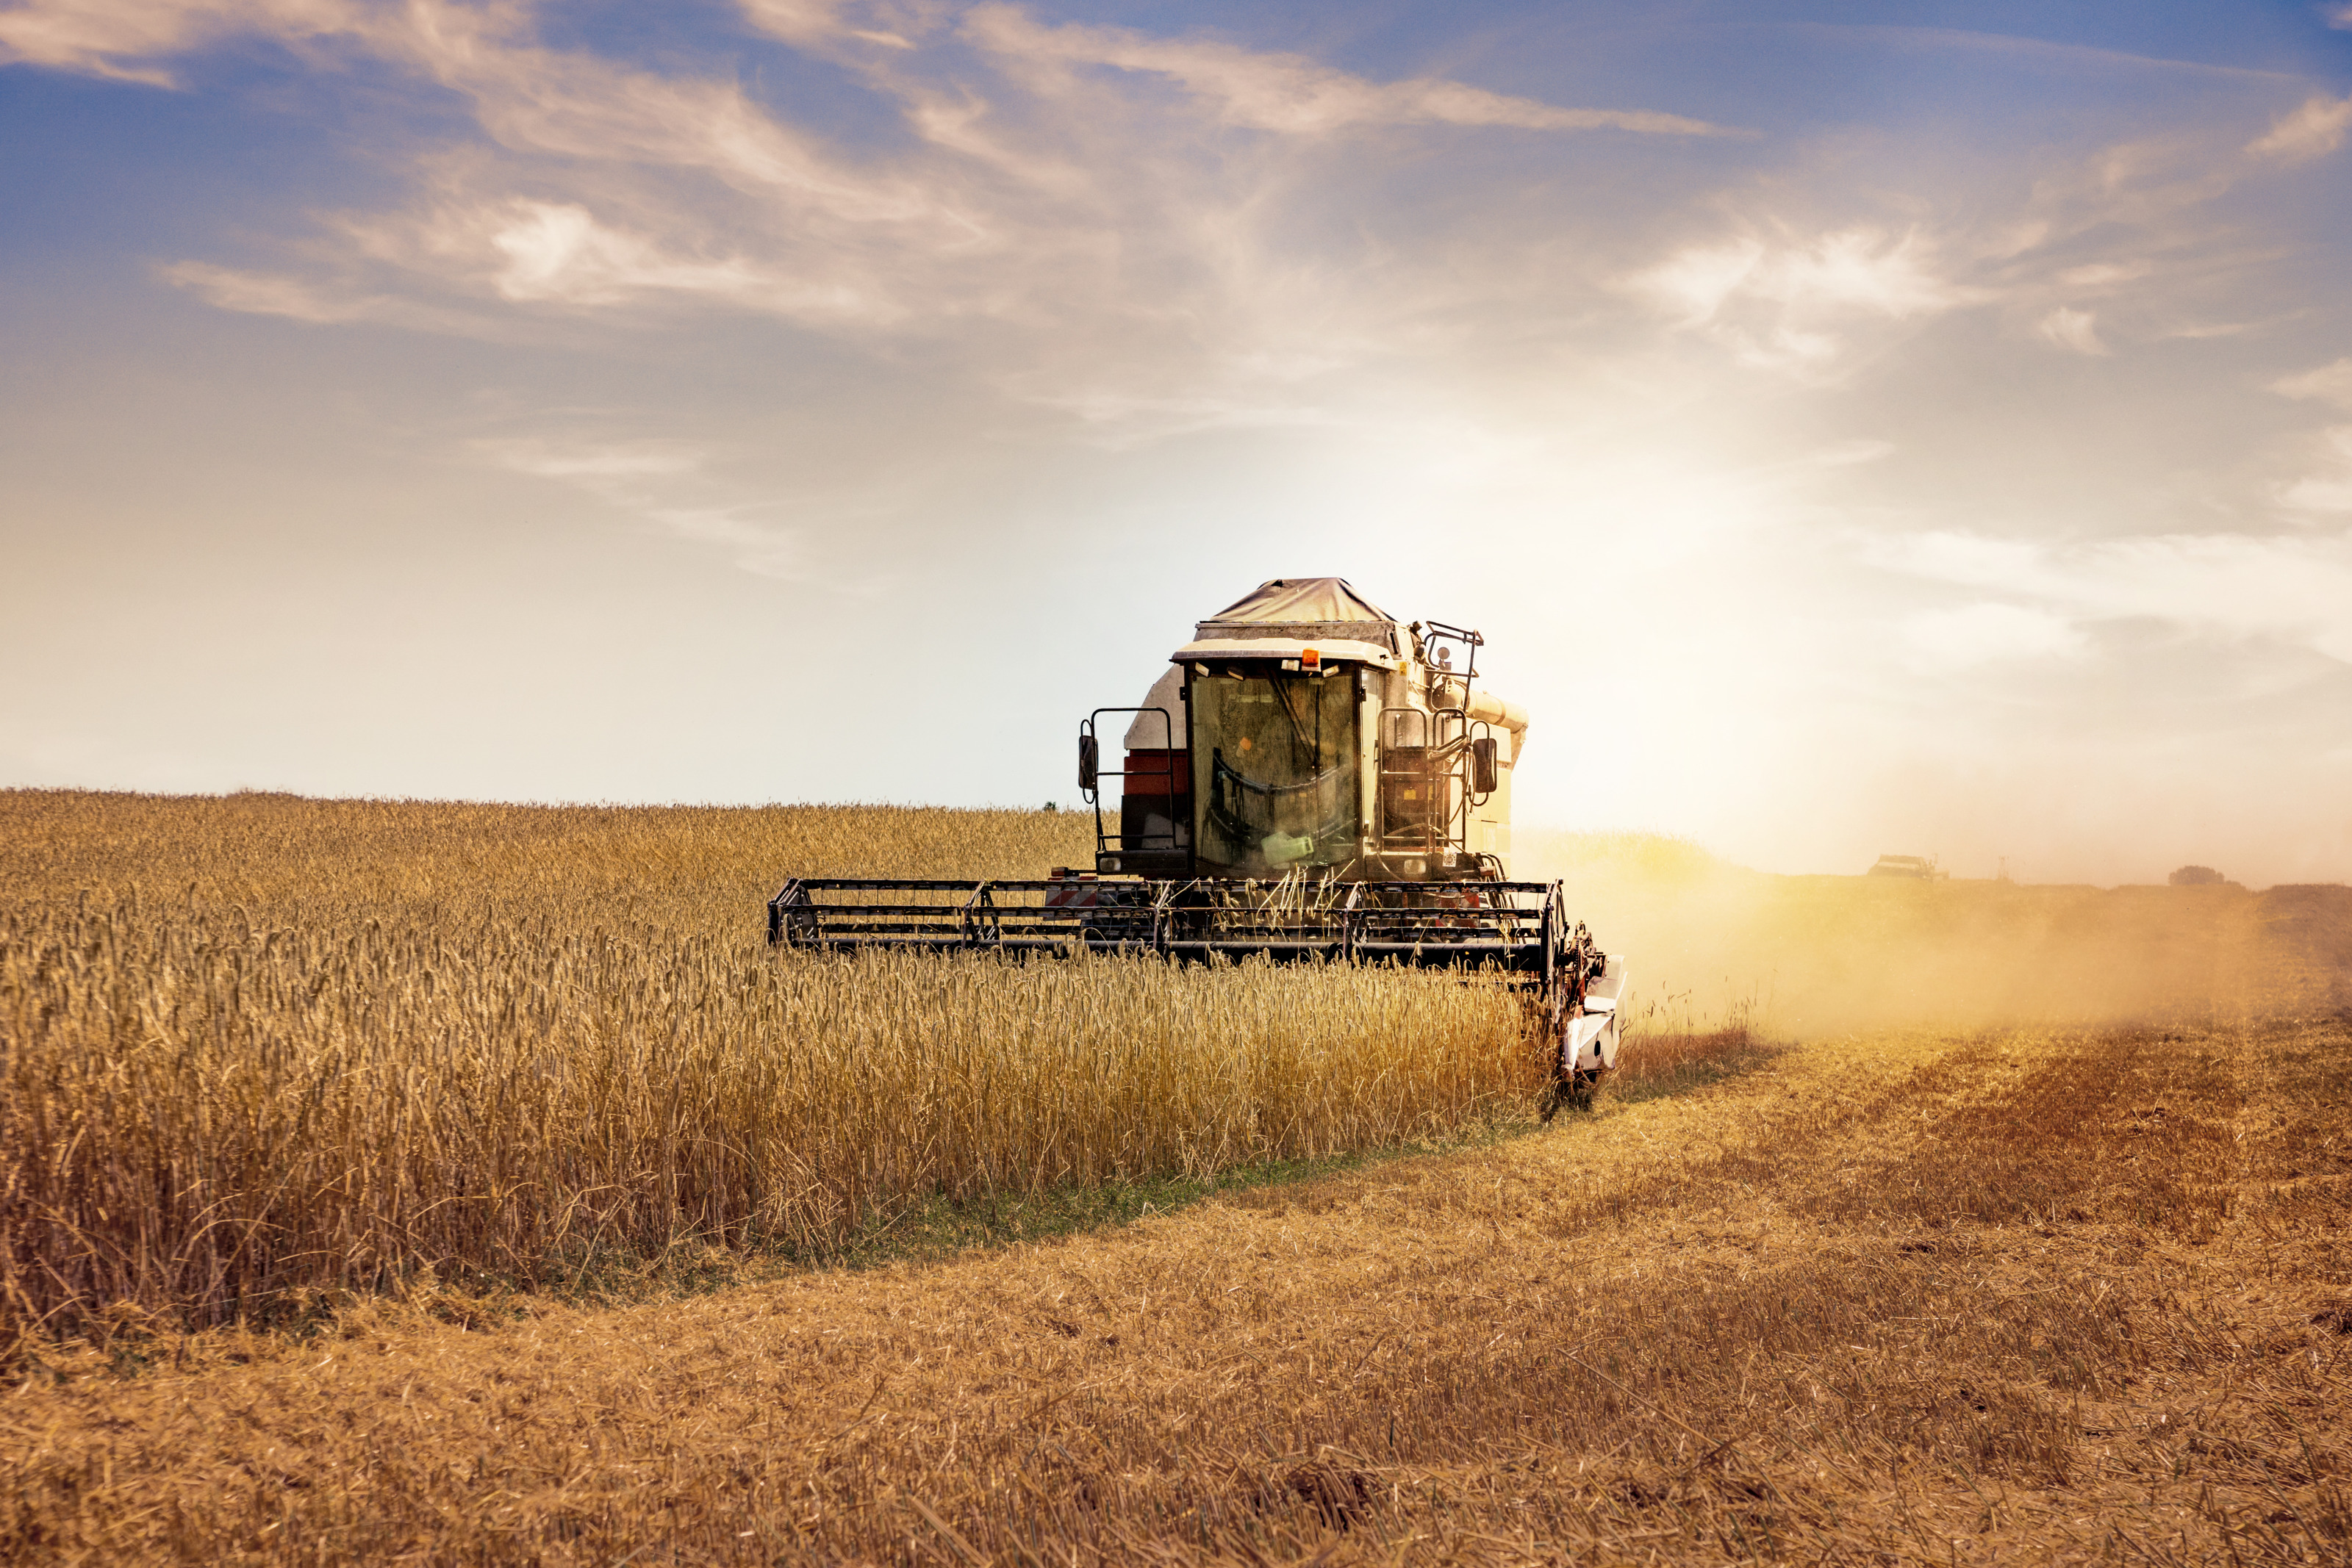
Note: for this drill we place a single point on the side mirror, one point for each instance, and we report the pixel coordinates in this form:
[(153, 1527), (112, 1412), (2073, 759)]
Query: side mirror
[(1482, 766), (1089, 764)]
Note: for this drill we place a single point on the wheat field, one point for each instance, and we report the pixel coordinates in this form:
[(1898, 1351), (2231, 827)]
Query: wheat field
[(2043, 1297), (365, 1047), (2070, 1285)]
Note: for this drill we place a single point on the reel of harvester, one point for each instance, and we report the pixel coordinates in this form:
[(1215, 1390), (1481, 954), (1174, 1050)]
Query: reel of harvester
[(1309, 780)]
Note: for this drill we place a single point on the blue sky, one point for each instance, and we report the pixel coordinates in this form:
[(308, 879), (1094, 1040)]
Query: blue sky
[(1923, 429)]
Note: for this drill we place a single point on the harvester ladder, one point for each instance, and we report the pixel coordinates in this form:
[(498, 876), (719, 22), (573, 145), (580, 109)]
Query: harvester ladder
[(1437, 770)]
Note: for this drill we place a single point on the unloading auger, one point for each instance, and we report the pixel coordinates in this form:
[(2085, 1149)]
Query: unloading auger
[(1308, 779)]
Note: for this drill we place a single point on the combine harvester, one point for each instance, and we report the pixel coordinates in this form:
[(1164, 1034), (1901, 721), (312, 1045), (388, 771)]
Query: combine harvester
[(1309, 780)]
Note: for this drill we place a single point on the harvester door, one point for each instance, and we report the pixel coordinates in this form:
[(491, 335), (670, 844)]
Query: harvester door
[(1408, 792), (1407, 800), (1425, 786), (1155, 811), (1148, 840)]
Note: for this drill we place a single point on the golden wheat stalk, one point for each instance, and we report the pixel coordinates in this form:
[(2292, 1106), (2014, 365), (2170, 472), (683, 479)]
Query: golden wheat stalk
[(209, 1116)]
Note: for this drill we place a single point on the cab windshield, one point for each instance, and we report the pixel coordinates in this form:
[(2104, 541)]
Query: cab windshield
[(1275, 764)]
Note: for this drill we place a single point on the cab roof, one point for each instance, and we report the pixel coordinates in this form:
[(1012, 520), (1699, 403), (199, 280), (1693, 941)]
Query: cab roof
[(1299, 600), (1288, 614)]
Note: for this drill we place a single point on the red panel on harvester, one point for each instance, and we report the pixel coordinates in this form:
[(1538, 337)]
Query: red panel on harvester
[(1158, 772)]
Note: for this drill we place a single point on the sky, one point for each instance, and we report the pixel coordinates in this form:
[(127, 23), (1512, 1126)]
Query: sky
[(1905, 428)]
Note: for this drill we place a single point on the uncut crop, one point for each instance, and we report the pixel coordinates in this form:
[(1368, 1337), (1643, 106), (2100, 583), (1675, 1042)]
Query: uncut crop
[(354, 1053)]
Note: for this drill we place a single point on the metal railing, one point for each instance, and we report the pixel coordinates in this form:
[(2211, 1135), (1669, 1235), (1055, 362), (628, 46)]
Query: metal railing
[(1091, 773)]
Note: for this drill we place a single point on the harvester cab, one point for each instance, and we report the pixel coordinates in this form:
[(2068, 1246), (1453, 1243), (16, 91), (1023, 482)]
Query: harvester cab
[(1305, 730), (1308, 779)]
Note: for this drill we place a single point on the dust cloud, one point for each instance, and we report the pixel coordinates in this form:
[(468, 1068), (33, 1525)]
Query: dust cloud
[(1804, 956)]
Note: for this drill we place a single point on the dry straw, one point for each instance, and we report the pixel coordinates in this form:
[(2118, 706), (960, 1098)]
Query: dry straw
[(209, 1114)]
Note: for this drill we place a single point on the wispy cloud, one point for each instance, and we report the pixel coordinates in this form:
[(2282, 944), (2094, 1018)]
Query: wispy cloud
[(127, 40), (1129, 205), (665, 483), (2105, 274), (1292, 94), (264, 293), (2328, 384), (1788, 304), (2326, 490), (325, 301), (1134, 206), (2293, 589), (2072, 329), (2313, 130), (2045, 49), (1991, 632), (2097, 254), (608, 467)]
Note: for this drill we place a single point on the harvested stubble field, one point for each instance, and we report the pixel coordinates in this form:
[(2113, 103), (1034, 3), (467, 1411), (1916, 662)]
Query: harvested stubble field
[(2048, 1292)]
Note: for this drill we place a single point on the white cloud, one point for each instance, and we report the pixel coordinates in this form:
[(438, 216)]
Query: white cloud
[(663, 482), (561, 253), (2125, 222), (517, 252), (1861, 270), (799, 22), (1147, 259), (1788, 306), (118, 39), (261, 293), (2310, 131), (1979, 561), (2330, 490), (1693, 284), (756, 548), (2315, 493), (2122, 223), (1850, 453), (1080, 184), (2295, 590), (2105, 274), (2072, 329), (2140, 194), (322, 301), (1290, 93), (1992, 633), (2196, 330), (2330, 383), (604, 466)]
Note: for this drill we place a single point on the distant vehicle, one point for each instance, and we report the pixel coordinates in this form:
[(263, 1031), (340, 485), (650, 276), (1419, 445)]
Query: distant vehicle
[(2196, 876), (1920, 868)]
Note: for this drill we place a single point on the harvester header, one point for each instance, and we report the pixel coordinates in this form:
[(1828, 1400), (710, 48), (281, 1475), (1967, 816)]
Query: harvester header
[(1309, 778)]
